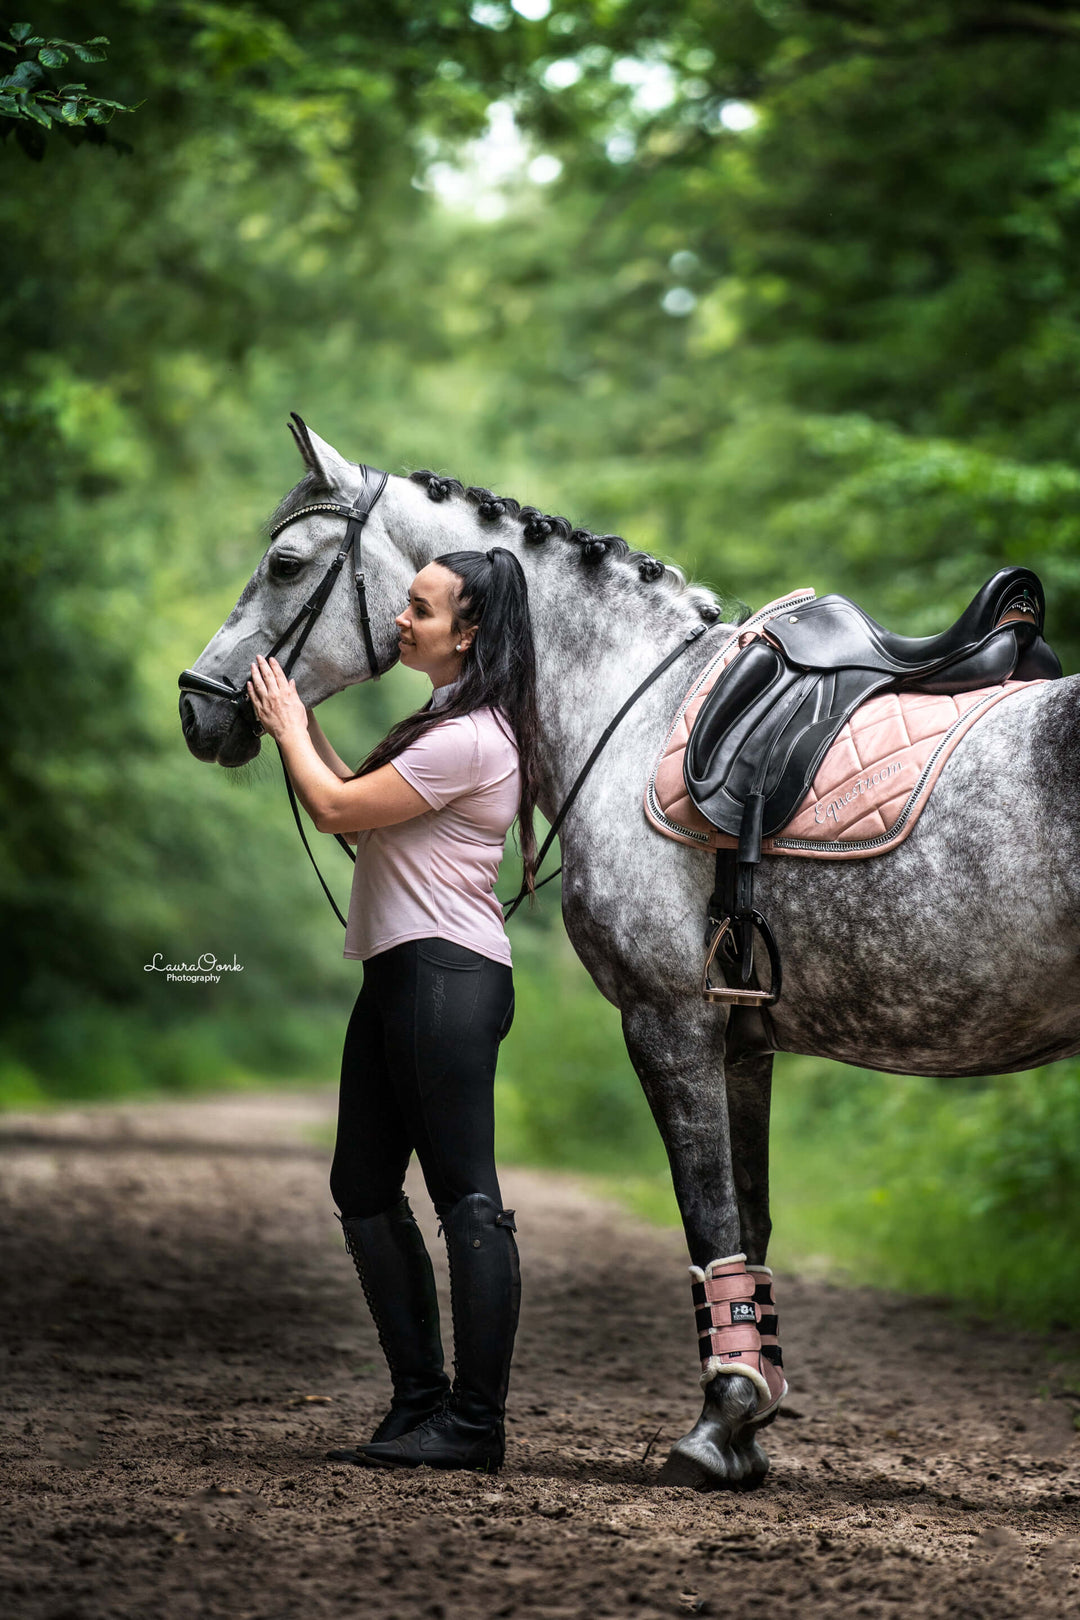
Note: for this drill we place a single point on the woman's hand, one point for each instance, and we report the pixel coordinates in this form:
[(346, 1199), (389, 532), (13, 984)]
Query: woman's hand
[(277, 707)]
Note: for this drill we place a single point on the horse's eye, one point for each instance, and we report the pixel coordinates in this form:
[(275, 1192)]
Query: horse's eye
[(285, 567)]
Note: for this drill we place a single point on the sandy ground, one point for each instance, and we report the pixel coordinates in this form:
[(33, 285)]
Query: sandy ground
[(183, 1337)]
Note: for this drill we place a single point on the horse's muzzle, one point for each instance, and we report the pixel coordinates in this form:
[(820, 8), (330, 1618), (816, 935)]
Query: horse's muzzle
[(224, 691)]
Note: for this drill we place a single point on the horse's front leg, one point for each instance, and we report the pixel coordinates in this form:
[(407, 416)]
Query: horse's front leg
[(749, 1098), (678, 1052)]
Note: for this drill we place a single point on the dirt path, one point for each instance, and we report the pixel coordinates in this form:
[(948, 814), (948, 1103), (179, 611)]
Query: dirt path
[(183, 1338)]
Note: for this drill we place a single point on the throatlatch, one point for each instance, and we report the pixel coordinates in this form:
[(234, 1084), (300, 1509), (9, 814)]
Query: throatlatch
[(738, 1328)]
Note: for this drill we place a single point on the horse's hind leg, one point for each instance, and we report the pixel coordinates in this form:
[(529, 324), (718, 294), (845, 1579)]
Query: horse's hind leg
[(678, 1052)]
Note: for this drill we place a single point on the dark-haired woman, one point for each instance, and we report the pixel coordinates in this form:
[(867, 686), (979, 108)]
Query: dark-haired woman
[(430, 809)]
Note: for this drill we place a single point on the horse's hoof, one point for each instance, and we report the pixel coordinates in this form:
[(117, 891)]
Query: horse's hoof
[(699, 1462), (721, 1452)]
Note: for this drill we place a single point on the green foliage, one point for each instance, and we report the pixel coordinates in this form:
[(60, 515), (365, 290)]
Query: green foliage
[(32, 100), (964, 1189), (573, 1102)]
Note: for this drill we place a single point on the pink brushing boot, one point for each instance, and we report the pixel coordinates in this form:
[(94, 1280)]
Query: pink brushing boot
[(737, 1324), (769, 1332)]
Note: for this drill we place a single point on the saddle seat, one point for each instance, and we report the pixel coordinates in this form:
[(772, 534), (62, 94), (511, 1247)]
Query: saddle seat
[(832, 632)]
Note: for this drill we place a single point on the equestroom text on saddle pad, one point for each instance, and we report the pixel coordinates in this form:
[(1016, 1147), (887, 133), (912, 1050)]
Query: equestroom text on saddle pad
[(869, 789)]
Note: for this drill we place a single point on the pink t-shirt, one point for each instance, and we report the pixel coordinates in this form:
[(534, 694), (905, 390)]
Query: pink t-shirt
[(434, 877)]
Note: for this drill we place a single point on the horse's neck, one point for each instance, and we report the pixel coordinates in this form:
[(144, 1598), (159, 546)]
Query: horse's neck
[(583, 681)]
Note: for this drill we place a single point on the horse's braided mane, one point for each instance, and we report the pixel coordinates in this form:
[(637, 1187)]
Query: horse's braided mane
[(539, 526)]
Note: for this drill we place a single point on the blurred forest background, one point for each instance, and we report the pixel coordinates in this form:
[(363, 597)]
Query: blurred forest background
[(784, 290)]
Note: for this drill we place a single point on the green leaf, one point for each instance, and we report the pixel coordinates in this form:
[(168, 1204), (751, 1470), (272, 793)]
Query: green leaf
[(24, 77), (49, 56), (69, 89), (8, 104), (31, 109), (98, 39), (19, 31), (70, 112), (86, 54)]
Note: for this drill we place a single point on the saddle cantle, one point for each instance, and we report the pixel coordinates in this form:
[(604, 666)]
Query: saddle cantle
[(788, 684)]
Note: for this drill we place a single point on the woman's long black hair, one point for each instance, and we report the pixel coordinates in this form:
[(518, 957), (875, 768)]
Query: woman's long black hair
[(498, 671)]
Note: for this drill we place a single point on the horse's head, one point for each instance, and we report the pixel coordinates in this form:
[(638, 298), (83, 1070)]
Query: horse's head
[(293, 598)]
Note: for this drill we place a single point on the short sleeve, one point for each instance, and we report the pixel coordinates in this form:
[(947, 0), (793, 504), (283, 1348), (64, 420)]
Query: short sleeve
[(443, 763)]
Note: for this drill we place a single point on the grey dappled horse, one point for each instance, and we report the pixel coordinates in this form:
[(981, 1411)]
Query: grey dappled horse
[(957, 954)]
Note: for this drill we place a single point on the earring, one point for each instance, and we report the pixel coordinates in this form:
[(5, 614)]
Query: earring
[(459, 648)]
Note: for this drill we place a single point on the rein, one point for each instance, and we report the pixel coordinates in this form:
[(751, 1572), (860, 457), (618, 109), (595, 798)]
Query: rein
[(355, 515)]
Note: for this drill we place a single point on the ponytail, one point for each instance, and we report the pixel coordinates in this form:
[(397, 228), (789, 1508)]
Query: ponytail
[(498, 671)]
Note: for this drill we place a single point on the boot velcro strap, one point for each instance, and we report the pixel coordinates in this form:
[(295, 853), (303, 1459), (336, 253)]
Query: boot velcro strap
[(723, 1289), (733, 1341)]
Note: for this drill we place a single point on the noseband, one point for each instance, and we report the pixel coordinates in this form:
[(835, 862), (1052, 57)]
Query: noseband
[(355, 517)]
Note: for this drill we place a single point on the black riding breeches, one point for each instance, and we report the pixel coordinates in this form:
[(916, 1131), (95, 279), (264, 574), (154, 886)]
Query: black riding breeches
[(418, 1072)]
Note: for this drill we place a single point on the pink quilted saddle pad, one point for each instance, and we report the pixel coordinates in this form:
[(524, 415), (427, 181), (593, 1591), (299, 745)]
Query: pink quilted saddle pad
[(870, 788)]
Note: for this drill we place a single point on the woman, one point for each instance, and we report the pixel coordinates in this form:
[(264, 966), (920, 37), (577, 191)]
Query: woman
[(429, 811)]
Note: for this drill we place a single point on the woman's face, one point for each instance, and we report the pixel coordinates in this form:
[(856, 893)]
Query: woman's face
[(427, 639)]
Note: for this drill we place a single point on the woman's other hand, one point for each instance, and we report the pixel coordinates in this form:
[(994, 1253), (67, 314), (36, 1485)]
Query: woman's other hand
[(274, 699)]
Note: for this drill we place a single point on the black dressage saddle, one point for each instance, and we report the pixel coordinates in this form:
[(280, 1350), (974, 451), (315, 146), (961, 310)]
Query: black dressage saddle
[(769, 720)]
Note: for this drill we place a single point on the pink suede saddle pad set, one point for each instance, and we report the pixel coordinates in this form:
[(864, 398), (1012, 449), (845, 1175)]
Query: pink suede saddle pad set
[(870, 788)]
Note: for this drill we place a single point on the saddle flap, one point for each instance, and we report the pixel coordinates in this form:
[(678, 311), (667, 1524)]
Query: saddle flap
[(763, 730)]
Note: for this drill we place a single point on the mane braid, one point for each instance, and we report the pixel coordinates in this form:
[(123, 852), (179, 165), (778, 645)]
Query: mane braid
[(538, 527)]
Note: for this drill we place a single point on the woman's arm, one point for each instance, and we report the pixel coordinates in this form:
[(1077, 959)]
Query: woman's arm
[(324, 748), (327, 753), (378, 800)]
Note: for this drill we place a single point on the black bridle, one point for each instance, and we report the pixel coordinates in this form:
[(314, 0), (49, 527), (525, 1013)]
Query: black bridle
[(356, 516)]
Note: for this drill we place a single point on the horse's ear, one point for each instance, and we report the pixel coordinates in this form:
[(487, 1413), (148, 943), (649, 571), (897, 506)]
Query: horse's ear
[(320, 458), (299, 430)]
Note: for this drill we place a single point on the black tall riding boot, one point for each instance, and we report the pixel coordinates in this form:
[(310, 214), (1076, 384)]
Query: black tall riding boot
[(485, 1290), (395, 1272)]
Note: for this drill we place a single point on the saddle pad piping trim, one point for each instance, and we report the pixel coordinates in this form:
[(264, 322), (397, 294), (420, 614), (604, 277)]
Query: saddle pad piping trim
[(762, 616)]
